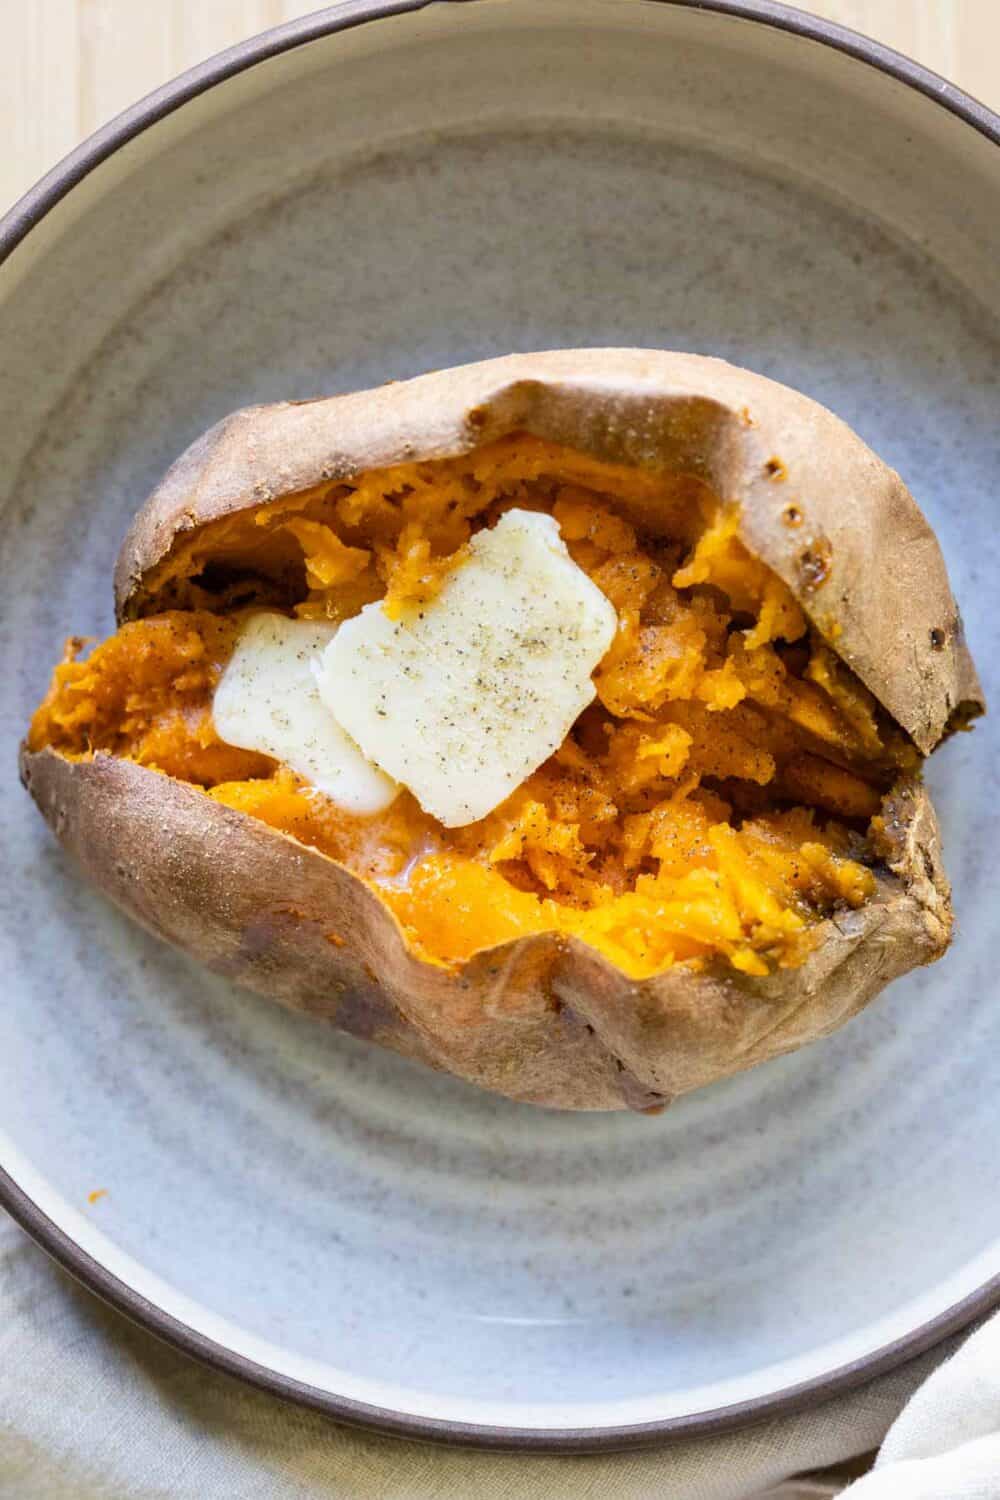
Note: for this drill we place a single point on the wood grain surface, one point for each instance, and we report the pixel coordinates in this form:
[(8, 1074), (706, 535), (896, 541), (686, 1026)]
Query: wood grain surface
[(67, 66)]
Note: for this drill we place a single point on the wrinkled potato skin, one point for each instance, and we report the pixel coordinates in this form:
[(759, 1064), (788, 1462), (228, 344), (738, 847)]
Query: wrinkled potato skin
[(862, 561), (546, 1020)]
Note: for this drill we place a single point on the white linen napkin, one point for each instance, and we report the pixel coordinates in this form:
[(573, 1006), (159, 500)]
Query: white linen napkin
[(945, 1445)]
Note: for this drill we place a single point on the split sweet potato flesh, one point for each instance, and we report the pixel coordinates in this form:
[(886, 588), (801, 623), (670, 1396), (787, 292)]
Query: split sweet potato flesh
[(728, 856)]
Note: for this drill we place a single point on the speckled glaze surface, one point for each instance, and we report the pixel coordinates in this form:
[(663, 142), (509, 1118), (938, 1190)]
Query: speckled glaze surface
[(586, 173)]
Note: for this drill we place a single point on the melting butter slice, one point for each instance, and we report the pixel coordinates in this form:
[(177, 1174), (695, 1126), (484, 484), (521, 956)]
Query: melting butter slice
[(462, 700), (267, 700)]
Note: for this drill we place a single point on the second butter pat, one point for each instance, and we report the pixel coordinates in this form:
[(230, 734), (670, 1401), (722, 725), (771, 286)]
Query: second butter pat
[(463, 698)]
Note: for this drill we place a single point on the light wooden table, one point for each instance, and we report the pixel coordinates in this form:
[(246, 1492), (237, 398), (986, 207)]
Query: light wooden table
[(66, 66)]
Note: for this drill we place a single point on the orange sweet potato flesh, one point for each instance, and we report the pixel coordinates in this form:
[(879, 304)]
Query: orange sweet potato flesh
[(623, 838), (719, 862)]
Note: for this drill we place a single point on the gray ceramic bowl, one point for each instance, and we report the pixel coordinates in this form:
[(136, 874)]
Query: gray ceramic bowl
[(376, 190)]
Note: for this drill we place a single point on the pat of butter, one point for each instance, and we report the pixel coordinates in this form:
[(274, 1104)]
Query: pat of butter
[(267, 700), (462, 700)]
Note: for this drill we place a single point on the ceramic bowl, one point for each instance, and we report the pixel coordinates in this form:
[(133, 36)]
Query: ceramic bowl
[(371, 192)]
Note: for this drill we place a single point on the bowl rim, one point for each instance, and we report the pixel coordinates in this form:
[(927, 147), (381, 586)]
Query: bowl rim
[(15, 226)]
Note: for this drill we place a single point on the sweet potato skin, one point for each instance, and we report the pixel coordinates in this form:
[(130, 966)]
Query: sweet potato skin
[(546, 1020), (540, 1020), (816, 504)]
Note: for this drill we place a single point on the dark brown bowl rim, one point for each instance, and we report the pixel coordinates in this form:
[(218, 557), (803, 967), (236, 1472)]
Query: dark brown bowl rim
[(14, 226)]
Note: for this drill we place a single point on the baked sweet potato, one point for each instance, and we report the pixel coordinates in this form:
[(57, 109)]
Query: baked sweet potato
[(732, 852)]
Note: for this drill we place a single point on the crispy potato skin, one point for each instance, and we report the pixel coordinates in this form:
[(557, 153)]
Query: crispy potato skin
[(539, 1020), (817, 505), (544, 1020)]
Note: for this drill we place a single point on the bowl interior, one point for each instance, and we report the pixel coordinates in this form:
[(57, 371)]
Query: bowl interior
[(422, 191)]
